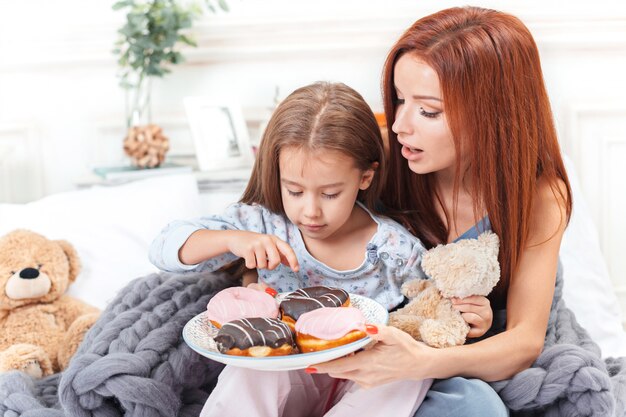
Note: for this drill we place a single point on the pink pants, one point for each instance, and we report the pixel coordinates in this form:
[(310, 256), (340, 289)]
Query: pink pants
[(249, 393)]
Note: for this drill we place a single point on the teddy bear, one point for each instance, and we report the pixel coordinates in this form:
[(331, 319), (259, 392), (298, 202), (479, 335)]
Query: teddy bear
[(40, 326), (459, 269)]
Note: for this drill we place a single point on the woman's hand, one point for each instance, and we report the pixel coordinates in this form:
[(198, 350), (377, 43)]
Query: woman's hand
[(260, 286), (261, 251), (476, 311), (395, 356), (250, 279)]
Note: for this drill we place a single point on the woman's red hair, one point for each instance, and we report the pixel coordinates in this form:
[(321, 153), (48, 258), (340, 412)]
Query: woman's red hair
[(497, 106)]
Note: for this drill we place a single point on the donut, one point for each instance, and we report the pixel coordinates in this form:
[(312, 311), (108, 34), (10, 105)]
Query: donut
[(257, 337), (238, 303), (326, 328), (307, 299)]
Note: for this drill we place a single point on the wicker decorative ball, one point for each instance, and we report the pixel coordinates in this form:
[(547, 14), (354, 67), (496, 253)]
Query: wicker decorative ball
[(146, 145)]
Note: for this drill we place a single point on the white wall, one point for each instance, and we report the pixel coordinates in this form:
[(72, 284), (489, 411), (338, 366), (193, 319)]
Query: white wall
[(61, 111)]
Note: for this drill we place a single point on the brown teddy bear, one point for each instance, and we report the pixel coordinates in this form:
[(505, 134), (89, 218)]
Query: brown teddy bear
[(40, 326), (460, 269)]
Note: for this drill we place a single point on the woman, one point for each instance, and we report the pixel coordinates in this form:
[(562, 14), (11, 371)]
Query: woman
[(472, 146)]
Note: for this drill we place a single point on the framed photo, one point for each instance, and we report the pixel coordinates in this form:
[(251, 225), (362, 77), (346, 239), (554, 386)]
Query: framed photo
[(219, 133)]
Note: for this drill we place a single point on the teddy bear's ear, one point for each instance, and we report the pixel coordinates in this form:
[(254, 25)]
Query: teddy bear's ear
[(72, 257), (491, 242)]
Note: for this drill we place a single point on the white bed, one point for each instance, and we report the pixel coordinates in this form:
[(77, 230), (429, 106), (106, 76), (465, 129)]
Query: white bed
[(112, 227)]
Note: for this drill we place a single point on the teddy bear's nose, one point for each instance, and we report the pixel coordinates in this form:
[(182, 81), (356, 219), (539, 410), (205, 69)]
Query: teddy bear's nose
[(29, 273)]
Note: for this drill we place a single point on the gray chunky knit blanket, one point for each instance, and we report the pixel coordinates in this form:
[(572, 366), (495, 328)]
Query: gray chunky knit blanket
[(569, 378), (133, 362)]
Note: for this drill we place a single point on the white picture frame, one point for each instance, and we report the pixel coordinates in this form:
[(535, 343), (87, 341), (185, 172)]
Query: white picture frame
[(219, 133)]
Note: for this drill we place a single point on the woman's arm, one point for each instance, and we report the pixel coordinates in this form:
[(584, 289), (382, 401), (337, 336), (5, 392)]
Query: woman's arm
[(397, 356)]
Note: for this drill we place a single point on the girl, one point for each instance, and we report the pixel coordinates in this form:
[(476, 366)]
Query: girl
[(472, 139), (307, 218)]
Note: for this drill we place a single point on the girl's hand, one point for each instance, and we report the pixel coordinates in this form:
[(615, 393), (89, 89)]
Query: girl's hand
[(476, 311), (395, 356), (261, 251)]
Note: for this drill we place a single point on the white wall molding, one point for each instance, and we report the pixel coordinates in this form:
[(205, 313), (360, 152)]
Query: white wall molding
[(233, 39), (596, 133), (577, 115), (226, 38), (613, 185), (20, 164), (6, 189)]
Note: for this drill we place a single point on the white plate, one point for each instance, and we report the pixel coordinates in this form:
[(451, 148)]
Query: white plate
[(198, 333)]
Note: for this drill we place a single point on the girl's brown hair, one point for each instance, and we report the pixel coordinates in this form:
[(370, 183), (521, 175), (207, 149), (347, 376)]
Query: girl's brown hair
[(496, 103), (317, 117)]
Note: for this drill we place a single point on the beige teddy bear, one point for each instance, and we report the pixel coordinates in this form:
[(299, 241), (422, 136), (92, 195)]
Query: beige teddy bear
[(468, 267), (40, 327)]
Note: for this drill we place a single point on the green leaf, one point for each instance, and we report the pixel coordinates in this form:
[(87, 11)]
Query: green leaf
[(137, 21), (129, 31), (170, 40), (223, 5), (155, 71), (187, 40), (121, 4), (175, 57), (185, 23), (210, 6)]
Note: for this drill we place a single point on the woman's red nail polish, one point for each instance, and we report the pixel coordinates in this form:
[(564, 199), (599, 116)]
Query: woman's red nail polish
[(310, 370), (271, 291), (371, 329)]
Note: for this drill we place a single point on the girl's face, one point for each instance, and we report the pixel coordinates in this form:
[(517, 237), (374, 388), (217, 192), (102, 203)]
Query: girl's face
[(319, 190), (420, 124)]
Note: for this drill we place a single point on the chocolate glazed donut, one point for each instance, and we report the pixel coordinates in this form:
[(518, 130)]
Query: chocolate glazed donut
[(256, 337), (308, 299)]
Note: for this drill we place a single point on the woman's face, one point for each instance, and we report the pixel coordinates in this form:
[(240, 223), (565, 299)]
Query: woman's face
[(420, 124)]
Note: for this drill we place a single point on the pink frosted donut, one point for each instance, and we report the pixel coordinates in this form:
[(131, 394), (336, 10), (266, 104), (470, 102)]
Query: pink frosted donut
[(236, 303), (329, 327)]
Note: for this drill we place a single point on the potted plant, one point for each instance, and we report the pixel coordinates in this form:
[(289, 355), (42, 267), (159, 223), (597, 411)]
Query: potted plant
[(149, 44)]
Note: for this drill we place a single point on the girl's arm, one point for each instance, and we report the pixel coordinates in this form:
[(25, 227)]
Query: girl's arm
[(209, 243), (204, 244), (165, 248), (257, 249), (398, 356)]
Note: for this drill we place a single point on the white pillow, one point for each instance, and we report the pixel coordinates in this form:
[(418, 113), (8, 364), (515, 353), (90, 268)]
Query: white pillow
[(111, 227), (587, 287)]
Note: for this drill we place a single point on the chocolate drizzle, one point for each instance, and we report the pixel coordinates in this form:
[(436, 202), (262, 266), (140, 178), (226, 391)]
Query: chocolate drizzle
[(245, 333), (304, 300)]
